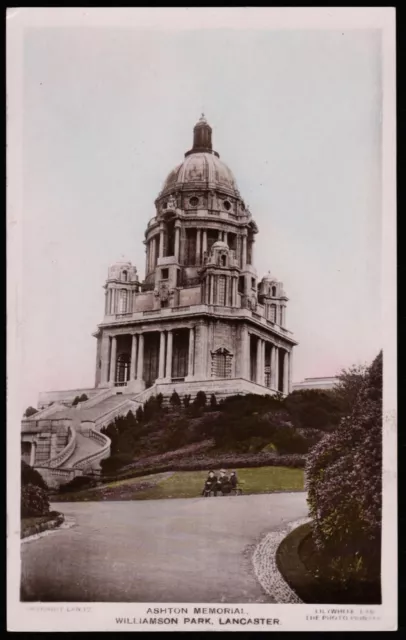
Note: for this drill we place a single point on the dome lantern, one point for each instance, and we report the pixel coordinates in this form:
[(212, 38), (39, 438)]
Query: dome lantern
[(202, 138)]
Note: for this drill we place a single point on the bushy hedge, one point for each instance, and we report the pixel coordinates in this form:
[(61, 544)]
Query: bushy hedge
[(344, 483), (78, 483), (34, 501), (31, 476)]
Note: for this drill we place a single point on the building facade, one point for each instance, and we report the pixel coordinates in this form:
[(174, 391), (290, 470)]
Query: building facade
[(201, 314)]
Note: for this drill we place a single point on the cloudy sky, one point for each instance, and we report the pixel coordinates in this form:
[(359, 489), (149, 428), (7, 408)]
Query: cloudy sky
[(108, 112)]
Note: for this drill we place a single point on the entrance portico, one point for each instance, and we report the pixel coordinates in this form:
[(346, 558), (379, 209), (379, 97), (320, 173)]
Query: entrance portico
[(138, 360)]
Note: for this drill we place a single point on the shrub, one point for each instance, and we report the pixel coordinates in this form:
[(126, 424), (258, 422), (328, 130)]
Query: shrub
[(75, 401), (139, 414), (213, 401), (30, 411), (32, 477), (78, 483), (200, 400), (115, 462), (175, 400), (83, 398), (34, 501), (344, 482)]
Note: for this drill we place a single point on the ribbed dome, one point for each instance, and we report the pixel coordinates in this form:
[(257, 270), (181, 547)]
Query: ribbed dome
[(202, 167), (201, 170)]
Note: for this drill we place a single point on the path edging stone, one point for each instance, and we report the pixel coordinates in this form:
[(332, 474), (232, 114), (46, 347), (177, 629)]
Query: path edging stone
[(265, 567)]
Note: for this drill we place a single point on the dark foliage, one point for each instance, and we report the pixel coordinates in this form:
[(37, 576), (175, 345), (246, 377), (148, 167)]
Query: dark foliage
[(78, 483), (175, 400), (200, 400), (32, 477), (34, 501), (30, 411), (344, 482)]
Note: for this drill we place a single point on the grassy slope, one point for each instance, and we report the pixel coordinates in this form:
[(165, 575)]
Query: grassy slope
[(189, 484)]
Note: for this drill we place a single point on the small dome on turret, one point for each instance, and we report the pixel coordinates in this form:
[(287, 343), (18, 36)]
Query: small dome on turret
[(219, 244)]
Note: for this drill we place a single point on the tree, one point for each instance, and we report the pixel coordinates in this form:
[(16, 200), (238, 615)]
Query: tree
[(83, 398), (200, 400), (175, 400), (139, 414), (344, 480), (213, 401), (31, 476), (75, 401), (30, 411)]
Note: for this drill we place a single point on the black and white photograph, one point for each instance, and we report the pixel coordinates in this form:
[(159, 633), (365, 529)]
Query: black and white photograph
[(201, 258)]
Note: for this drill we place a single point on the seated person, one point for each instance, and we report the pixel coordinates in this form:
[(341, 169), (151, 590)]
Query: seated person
[(233, 480), (210, 484), (223, 483)]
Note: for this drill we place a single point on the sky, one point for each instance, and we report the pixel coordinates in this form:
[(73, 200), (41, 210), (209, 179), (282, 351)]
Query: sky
[(107, 114)]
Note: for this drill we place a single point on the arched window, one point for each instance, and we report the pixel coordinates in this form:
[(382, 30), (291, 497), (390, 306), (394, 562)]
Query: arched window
[(223, 260), (221, 363), (124, 276), (123, 301), (273, 292)]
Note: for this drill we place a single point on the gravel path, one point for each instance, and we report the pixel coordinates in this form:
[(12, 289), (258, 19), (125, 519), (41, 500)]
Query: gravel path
[(190, 550)]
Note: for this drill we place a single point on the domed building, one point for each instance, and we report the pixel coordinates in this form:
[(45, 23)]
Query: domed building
[(199, 321), (200, 315)]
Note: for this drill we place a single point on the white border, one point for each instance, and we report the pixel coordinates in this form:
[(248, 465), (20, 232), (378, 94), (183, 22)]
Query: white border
[(101, 616)]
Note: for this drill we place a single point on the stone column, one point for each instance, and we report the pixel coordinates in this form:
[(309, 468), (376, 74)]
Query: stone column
[(290, 384), (252, 251), (177, 240), (198, 246), (220, 235), (273, 365), (235, 291), (104, 357), (259, 360), (286, 372), (204, 243), (283, 315), (133, 355), (211, 289), (191, 358), (140, 359), (32, 453), (225, 238), (161, 372), (263, 362), (161, 241), (245, 354), (276, 384), (168, 372), (226, 291), (201, 339), (244, 251), (113, 359)]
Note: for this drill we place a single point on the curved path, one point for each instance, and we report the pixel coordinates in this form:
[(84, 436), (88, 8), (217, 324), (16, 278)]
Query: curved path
[(190, 550)]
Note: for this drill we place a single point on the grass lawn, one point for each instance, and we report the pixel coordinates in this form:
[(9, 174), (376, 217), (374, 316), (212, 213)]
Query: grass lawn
[(189, 484)]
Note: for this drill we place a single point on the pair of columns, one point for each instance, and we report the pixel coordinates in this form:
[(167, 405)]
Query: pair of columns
[(274, 366), (201, 244), (162, 240), (165, 355), (231, 288)]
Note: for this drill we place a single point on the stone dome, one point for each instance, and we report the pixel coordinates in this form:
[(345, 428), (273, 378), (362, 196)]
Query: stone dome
[(219, 244), (202, 167)]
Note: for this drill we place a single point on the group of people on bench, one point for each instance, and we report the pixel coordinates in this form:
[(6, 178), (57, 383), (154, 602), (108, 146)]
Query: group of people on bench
[(223, 484)]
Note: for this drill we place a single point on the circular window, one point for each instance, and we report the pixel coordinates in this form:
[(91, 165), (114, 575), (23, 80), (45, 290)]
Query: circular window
[(194, 201), (227, 205)]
